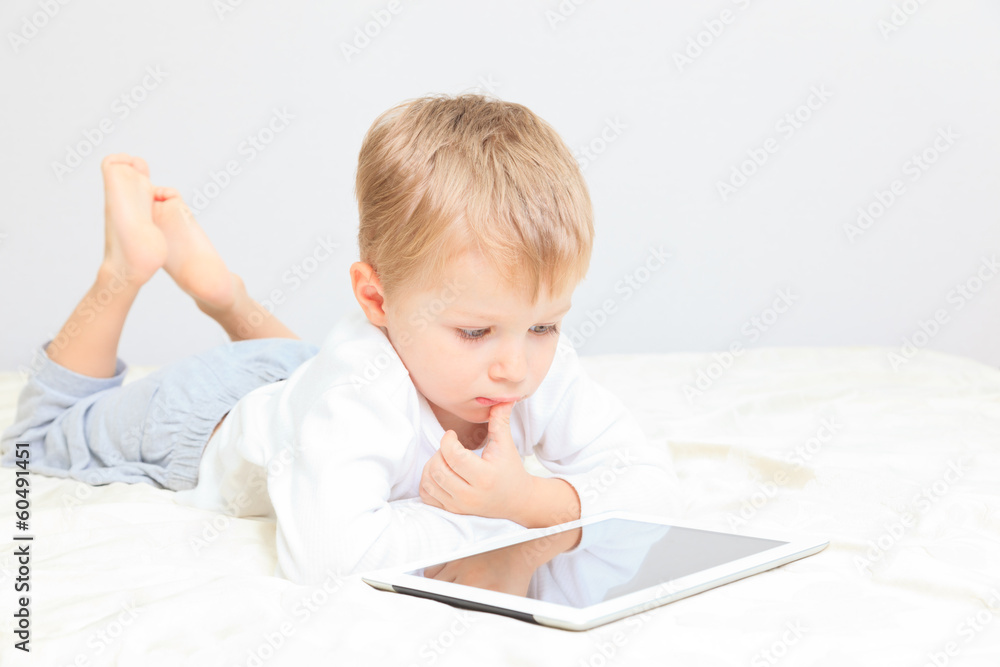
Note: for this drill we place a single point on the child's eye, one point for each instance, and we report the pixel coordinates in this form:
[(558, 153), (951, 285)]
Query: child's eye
[(548, 329), (479, 334), (471, 334)]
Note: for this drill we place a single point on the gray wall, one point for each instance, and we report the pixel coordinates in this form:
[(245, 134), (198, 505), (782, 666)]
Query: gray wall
[(885, 87)]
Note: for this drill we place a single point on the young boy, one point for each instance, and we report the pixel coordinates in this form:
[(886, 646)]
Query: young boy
[(402, 436)]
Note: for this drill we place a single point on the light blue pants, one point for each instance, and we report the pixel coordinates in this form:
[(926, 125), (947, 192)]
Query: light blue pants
[(152, 430)]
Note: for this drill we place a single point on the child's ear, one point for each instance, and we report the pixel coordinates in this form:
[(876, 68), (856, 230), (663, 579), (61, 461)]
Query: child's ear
[(368, 292)]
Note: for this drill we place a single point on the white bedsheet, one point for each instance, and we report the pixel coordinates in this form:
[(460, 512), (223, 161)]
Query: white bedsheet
[(899, 469)]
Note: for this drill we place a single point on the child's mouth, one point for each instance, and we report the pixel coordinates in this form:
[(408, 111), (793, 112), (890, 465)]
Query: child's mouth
[(491, 401)]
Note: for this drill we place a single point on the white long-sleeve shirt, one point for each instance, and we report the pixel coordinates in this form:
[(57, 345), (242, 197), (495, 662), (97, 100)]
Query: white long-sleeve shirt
[(335, 454)]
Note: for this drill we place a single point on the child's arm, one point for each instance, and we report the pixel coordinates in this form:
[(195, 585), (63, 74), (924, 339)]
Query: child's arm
[(591, 441), (596, 445)]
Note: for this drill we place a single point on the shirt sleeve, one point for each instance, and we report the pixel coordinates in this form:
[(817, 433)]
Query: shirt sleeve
[(593, 442), (330, 489)]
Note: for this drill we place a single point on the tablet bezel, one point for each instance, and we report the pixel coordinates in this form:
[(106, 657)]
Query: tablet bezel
[(584, 618)]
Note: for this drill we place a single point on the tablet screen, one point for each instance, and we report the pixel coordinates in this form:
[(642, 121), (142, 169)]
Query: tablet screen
[(619, 556)]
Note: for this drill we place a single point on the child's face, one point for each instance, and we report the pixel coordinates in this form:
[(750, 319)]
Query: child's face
[(512, 345)]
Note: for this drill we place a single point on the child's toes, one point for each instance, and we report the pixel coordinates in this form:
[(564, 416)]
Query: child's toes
[(140, 165), (115, 158), (136, 163), (163, 194)]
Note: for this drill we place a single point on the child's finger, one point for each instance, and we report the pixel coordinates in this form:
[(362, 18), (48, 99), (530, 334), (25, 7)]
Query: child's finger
[(433, 483), (461, 461), (499, 426), (429, 499), (427, 494), (500, 417)]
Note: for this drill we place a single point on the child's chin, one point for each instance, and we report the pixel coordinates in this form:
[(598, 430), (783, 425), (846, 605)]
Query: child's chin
[(479, 415)]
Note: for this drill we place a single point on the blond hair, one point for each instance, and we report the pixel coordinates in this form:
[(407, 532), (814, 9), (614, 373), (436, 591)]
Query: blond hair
[(442, 175)]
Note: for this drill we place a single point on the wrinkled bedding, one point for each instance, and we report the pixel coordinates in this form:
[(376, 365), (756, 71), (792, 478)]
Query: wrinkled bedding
[(898, 467)]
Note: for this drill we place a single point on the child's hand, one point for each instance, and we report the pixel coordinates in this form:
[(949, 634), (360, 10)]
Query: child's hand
[(497, 485)]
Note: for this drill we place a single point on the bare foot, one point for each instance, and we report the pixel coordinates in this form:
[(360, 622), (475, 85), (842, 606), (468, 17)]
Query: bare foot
[(192, 260), (134, 248)]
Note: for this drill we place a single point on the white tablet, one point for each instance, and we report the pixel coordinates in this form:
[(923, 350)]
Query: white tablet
[(624, 563)]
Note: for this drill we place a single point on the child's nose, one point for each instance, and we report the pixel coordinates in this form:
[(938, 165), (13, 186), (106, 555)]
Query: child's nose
[(511, 364)]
